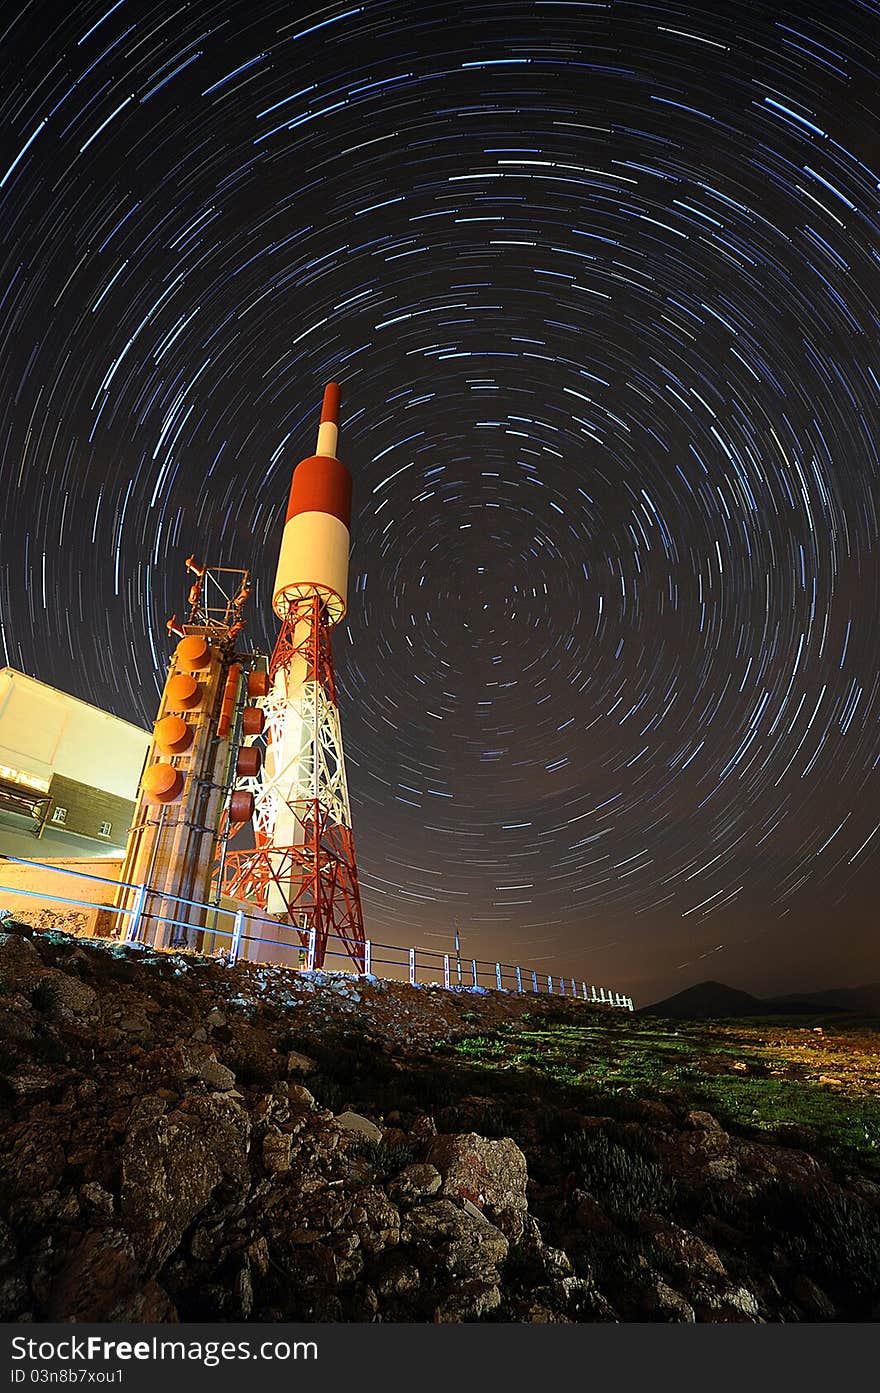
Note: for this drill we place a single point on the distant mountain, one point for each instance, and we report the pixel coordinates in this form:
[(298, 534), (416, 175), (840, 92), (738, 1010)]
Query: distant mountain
[(708, 1000), (704, 1001), (865, 999)]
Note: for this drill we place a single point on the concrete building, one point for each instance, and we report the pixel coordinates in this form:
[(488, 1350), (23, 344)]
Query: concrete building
[(69, 774)]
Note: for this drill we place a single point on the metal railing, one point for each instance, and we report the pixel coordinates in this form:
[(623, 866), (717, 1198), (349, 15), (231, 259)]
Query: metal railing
[(418, 966)]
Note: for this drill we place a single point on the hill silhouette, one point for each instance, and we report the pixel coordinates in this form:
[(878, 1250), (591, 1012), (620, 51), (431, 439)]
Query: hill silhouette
[(710, 1000)]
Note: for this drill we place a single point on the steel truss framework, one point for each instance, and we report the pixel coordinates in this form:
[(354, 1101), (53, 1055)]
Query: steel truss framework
[(302, 793)]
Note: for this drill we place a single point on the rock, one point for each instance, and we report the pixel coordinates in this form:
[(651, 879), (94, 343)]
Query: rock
[(473, 1211), (102, 1280), (30, 1080), (216, 1075), (703, 1122), (463, 1256), (423, 1127), (14, 1297), (170, 1166), (226, 1128), (375, 1219), (445, 1236), (556, 1262), (353, 1122), (589, 1214), (299, 1096), (15, 1029), (648, 1110), (536, 1313), (244, 1294), (258, 1256), (490, 1173), (665, 1303), (682, 1250), (70, 996), (17, 954), (202, 1244), (469, 1301), (414, 1183), (300, 1064), (96, 1200), (276, 1152), (36, 1162), (398, 1279), (740, 1300), (215, 1017), (8, 1245), (812, 1298), (59, 994)]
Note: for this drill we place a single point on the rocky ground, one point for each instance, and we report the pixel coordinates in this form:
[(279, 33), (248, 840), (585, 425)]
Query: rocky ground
[(185, 1141)]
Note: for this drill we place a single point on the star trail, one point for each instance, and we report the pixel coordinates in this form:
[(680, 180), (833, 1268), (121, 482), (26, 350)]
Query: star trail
[(601, 284)]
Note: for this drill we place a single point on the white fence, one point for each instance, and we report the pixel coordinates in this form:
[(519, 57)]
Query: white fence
[(243, 934)]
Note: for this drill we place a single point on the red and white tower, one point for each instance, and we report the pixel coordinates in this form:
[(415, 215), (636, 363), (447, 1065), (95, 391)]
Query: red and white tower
[(302, 867)]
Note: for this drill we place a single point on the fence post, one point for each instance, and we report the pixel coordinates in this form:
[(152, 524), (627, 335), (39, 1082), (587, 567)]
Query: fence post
[(134, 922), (535, 982), (310, 959), (412, 967), (584, 990), (237, 931), (562, 986), (446, 970), (368, 959), (574, 990), (474, 972), (601, 993), (550, 985), (519, 979), (498, 975)]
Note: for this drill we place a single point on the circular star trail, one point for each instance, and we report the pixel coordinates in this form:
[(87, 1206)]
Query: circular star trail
[(600, 284)]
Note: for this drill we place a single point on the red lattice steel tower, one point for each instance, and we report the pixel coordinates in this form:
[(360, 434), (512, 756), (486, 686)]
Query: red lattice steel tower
[(302, 867)]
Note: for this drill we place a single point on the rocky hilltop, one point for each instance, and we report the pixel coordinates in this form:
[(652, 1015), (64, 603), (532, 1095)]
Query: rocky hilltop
[(184, 1141)]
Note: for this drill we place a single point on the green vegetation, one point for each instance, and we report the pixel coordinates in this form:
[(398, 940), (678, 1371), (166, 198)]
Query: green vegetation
[(770, 1075)]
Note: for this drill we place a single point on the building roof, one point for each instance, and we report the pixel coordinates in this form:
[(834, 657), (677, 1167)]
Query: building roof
[(44, 731)]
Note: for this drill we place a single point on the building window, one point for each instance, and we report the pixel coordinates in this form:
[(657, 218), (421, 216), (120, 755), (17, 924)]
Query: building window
[(59, 815), (106, 829)]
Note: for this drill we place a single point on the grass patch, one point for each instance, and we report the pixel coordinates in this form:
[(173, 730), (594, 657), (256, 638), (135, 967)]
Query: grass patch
[(763, 1075)]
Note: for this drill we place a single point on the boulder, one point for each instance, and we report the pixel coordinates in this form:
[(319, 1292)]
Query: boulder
[(663, 1302), (216, 1075), (102, 1280), (353, 1122), (462, 1254), (733, 1304), (679, 1248), (703, 1122), (375, 1220), (299, 1097), (276, 1152), (491, 1173), (812, 1298), (299, 1064), (414, 1183), (171, 1165), (398, 1279)]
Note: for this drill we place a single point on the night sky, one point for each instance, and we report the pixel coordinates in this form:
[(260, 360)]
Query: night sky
[(601, 285)]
